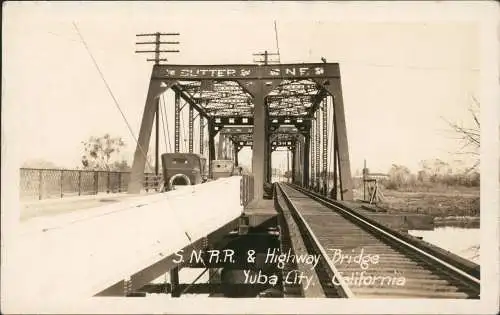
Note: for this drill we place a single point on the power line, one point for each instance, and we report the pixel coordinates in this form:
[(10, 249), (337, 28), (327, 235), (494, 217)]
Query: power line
[(111, 93), (265, 55), (63, 37), (277, 43)]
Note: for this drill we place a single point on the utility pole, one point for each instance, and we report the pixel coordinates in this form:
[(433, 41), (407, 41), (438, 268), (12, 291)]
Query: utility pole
[(266, 61), (157, 42), (157, 51)]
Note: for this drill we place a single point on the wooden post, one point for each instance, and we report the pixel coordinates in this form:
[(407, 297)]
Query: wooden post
[(119, 181), (107, 184), (79, 183), (96, 182), (40, 186), (62, 183)]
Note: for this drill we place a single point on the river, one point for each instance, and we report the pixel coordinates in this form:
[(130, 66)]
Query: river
[(460, 241)]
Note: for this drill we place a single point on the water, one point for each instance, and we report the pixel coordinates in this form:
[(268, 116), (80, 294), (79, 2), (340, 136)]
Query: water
[(460, 241)]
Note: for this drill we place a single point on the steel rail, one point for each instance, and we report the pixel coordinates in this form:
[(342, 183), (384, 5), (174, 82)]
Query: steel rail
[(298, 245), (342, 286), (446, 266)]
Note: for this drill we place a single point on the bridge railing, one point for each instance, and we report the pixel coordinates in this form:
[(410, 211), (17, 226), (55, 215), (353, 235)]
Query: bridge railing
[(58, 183)]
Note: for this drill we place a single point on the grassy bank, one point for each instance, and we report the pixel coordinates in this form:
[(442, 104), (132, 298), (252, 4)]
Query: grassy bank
[(443, 204)]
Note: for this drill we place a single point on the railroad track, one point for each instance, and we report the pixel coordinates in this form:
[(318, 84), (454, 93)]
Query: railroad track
[(390, 265)]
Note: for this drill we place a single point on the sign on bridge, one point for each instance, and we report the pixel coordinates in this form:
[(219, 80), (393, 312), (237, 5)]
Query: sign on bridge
[(232, 72)]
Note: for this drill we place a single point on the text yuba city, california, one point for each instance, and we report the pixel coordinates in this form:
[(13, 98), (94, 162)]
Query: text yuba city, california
[(273, 256)]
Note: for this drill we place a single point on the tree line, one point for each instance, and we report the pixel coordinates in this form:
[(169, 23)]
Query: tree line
[(432, 173), (100, 154)]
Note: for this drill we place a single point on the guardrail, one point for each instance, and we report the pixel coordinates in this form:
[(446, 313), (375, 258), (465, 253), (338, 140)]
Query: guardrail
[(59, 183)]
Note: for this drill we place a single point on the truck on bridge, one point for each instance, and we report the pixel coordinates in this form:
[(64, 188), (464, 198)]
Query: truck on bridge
[(184, 169), (223, 168), (192, 169)]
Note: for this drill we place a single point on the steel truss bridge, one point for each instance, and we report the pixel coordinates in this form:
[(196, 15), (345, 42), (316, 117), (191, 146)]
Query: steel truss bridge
[(268, 98), (120, 248)]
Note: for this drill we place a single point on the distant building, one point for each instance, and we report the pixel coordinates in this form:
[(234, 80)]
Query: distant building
[(377, 176)]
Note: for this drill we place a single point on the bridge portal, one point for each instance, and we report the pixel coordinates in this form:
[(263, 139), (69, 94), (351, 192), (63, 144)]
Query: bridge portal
[(261, 106)]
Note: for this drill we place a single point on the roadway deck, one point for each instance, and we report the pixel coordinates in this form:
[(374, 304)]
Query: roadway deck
[(73, 256), (54, 206)]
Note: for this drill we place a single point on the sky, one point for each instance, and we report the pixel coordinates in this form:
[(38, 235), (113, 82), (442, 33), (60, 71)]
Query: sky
[(401, 78)]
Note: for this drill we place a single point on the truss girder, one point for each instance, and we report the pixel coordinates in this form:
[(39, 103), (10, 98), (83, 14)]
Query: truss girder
[(216, 90)]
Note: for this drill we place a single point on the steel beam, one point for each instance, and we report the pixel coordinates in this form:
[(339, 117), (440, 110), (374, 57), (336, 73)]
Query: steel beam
[(317, 151), (236, 152), (325, 144), (307, 144), (191, 131), (267, 149), (189, 99), (228, 121), (335, 161), (177, 122), (299, 161), (211, 146), (259, 145), (296, 162), (335, 89), (157, 137), (269, 160), (269, 152), (276, 129), (246, 72), (174, 282), (259, 90), (313, 155), (137, 173), (230, 149), (316, 102), (202, 135), (220, 147)]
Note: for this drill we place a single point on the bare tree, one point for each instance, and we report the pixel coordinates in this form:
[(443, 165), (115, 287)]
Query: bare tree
[(469, 136), (434, 170)]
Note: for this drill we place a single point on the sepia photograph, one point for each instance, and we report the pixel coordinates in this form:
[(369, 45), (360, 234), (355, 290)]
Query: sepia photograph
[(250, 157)]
